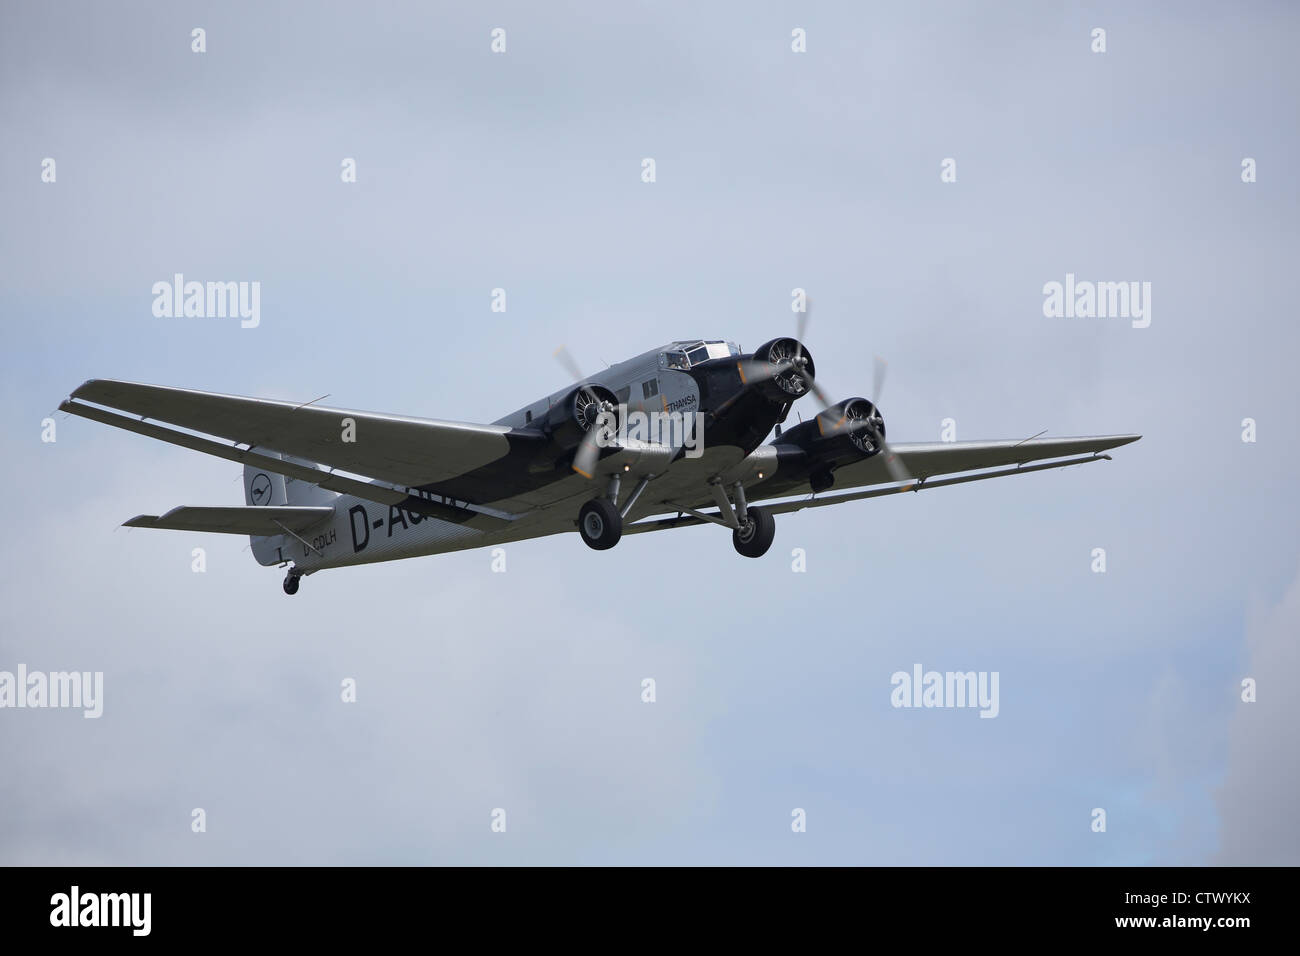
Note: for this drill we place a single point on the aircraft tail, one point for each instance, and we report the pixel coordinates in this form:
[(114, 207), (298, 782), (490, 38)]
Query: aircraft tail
[(267, 488)]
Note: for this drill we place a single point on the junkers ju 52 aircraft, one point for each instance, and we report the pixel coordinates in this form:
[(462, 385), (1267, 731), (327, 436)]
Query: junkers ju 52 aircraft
[(329, 487)]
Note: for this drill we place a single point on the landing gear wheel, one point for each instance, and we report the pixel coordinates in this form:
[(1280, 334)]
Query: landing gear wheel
[(600, 524), (291, 582), (755, 534)]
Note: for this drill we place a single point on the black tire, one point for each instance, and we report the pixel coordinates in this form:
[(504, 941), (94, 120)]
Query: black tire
[(600, 524), (291, 583), (755, 534)]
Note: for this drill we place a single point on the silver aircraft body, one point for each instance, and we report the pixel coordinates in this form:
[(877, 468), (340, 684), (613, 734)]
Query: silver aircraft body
[(673, 437)]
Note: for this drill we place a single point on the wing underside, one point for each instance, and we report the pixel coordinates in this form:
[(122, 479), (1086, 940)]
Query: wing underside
[(397, 460), (926, 459), (965, 461), (404, 451)]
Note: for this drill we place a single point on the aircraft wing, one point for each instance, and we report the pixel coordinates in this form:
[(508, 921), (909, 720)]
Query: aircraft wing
[(925, 459), (406, 452), (965, 461), (254, 521)]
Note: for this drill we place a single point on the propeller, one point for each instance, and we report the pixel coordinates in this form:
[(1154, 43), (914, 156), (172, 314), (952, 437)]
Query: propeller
[(570, 365), (801, 329), (588, 453), (893, 464), (589, 407), (754, 373), (816, 389)]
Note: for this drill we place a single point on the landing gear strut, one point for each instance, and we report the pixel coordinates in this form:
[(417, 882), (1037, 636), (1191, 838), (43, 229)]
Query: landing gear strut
[(752, 529), (600, 524), (755, 534), (291, 581)]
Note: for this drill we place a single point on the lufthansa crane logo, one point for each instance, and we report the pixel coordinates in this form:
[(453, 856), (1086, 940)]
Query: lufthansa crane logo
[(260, 489)]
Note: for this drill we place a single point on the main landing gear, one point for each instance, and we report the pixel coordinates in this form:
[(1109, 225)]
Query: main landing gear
[(600, 522), (291, 581), (752, 529), (755, 534)]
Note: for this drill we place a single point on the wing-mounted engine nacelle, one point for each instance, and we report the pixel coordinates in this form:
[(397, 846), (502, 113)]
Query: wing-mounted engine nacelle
[(570, 419), (846, 432), (785, 368)]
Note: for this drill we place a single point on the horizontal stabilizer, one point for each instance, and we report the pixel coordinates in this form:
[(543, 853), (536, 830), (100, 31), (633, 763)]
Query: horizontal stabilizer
[(251, 521)]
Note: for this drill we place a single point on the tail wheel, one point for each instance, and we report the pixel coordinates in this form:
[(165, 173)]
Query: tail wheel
[(755, 534), (600, 524)]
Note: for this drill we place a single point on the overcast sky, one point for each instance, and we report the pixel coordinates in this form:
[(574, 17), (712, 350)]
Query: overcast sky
[(775, 170)]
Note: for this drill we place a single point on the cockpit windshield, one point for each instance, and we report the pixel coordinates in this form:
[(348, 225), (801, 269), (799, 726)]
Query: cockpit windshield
[(675, 360), (684, 355)]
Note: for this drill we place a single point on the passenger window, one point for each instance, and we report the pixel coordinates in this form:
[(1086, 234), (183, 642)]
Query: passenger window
[(528, 417), (650, 388)]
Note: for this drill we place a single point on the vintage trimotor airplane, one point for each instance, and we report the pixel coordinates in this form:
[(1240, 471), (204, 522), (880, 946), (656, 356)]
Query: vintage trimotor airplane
[(329, 487)]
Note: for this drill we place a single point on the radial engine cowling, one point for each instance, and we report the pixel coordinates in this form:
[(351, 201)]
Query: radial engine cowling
[(571, 418), (785, 367), (846, 432)]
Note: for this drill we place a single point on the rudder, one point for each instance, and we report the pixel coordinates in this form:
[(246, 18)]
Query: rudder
[(262, 487)]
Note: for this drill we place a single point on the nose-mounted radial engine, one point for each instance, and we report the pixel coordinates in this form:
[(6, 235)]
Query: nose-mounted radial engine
[(782, 370), (742, 400)]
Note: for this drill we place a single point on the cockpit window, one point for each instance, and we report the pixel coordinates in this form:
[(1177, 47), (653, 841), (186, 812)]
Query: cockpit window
[(676, 360), (694, 353)]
